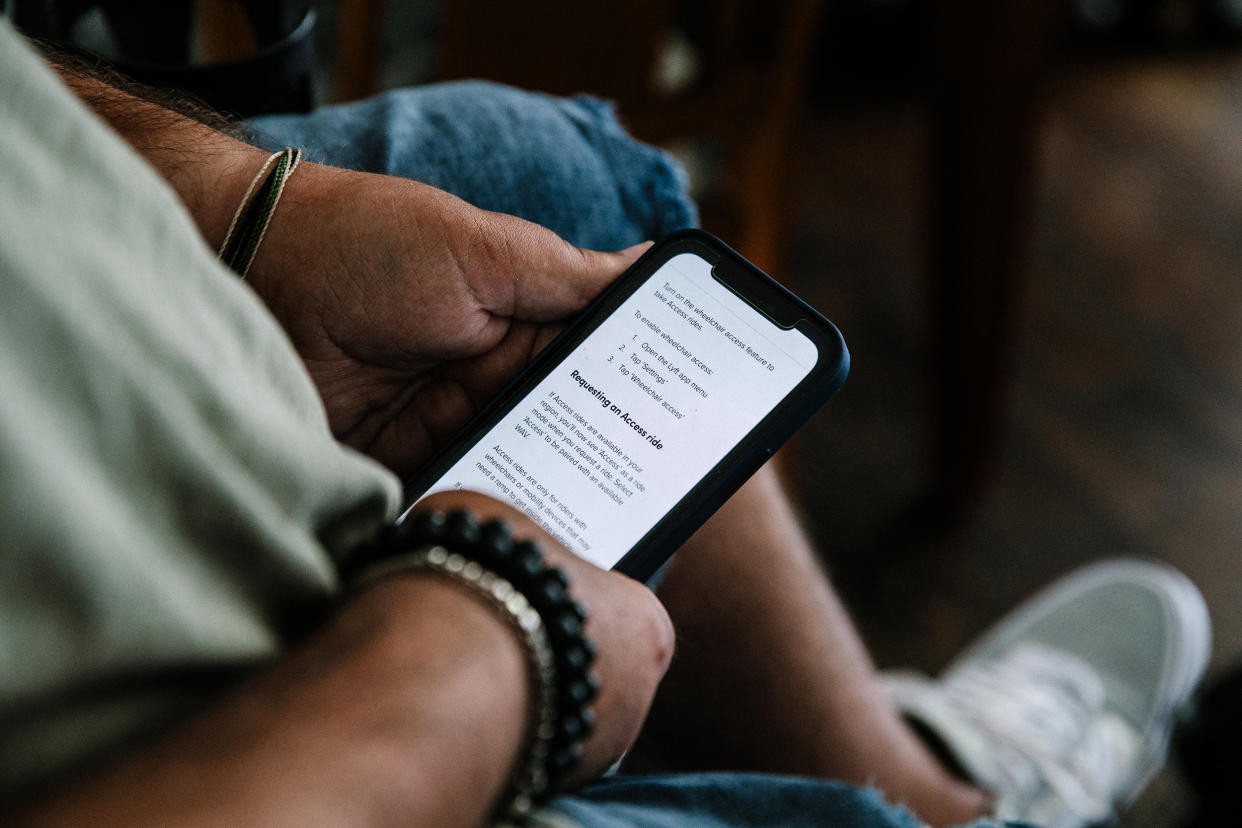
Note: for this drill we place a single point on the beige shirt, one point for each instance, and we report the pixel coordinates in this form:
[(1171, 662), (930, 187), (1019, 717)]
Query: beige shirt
[(170, 494)]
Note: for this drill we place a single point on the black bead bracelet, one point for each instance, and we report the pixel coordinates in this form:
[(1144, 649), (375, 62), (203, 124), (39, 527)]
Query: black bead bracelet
[(545, 587)]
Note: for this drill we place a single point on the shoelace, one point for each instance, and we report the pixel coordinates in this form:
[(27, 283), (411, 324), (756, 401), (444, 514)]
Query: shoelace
[(1044, 712)]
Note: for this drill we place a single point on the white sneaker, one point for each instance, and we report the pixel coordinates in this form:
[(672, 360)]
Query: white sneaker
[(1064, 709)]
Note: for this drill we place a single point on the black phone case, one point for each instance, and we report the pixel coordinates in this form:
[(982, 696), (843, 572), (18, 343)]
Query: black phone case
[(765, 295)]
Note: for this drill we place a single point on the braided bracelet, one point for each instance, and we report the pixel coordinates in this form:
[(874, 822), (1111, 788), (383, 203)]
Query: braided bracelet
[(491, 546), (254, 214)]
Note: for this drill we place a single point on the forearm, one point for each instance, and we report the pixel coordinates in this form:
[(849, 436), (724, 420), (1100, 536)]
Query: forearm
[(408, 708), (207, 167)]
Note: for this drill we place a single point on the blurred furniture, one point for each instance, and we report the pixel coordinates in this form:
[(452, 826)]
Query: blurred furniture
[(989, 69), (247, 57), (987, 73), (742, 105), (359, 36)]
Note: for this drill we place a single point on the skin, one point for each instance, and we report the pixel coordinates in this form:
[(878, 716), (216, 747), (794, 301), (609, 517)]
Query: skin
[(393, 382), (408, 313), (764, 641), (410, 694), (333, 734), (410, 308), (403, 355)]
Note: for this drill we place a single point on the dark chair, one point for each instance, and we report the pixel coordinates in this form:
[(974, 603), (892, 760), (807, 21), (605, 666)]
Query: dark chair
[(259, 56), (744, 104)]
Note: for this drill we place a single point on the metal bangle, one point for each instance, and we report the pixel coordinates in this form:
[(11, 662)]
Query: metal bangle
[(529, 780)]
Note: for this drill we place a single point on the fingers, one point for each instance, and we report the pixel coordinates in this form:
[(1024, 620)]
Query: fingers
[(632, 633), (634, 643), (588, 272), (489, 508)]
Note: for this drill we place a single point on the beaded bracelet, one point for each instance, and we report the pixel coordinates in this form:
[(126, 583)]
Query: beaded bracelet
[(529, 779), (545, 588), (254, 214)]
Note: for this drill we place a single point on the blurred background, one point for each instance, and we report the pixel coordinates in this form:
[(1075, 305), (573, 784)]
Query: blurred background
[(1024, 216)]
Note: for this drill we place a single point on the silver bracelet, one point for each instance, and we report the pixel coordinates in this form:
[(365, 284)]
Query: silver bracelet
[(530, 777)]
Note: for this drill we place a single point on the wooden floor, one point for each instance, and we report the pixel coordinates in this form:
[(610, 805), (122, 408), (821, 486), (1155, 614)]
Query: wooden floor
[(1125, 432)]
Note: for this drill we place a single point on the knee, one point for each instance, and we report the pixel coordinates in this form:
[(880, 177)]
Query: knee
[(565, 163)]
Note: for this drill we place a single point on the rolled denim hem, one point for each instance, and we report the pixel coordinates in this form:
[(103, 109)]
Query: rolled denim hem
[(717, 800), (564, 163)]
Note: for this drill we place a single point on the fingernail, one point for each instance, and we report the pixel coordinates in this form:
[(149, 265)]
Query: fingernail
[(636, 250)]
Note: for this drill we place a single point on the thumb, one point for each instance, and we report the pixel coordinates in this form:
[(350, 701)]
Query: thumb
[(608, 266), (561, 279), (632, 253)]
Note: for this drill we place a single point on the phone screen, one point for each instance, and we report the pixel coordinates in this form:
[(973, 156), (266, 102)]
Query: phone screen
[(618, 432)]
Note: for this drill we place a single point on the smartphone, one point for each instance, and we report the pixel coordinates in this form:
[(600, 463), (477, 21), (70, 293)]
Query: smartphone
[(636, 423)]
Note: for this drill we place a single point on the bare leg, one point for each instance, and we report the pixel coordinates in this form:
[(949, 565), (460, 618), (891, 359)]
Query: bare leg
[(770, 674)]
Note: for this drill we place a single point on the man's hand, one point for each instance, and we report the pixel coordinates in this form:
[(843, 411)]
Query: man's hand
[(632, 634), (409, 306)]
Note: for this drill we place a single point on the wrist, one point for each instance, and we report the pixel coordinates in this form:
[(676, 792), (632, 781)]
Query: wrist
[(512, 577), (213, 183), (302, 252), (406, 707), (205, 166), (429, 639)]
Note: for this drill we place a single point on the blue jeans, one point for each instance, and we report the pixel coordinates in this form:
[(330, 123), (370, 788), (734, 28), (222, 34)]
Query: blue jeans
[(568, 165), (565, 164)]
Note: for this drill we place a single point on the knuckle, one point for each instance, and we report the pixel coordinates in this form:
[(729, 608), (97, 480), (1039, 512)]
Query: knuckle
[(665, 640), (658, 628)]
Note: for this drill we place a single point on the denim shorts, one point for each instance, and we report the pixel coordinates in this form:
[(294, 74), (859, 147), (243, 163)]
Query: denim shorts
[(564, 163), (569, 165)]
